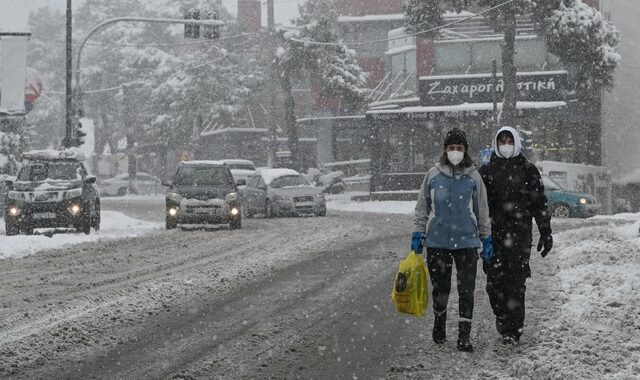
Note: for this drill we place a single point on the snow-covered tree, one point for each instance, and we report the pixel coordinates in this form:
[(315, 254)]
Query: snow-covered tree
[(334, 65), (421, 15), (157, 85), (581, 37)]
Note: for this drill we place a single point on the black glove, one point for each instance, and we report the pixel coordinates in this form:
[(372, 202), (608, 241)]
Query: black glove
[(547, 242)]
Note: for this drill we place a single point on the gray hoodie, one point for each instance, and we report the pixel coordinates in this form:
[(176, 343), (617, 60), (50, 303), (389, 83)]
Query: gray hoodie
[(452, 209)]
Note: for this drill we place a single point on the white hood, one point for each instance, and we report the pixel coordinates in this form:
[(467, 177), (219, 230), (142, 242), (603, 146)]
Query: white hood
[(517, 145)]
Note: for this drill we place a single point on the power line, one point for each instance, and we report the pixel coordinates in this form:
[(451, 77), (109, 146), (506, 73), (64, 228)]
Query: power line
[(309, 42), (250, 45)]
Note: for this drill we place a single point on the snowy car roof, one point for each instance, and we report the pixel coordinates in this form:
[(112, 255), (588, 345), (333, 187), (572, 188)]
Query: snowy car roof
[(237, 161), (270, 174), (51, 155), (202, 162)]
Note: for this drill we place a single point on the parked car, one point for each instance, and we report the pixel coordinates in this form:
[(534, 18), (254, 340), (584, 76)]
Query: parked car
[(52, 189), (568, 204), (119, 185), (203, 192), (241, 170), (329, 182), (274, 192)]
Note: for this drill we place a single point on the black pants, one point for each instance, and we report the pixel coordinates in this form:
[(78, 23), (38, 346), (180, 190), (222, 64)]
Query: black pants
[(440, 263), (507, 274)]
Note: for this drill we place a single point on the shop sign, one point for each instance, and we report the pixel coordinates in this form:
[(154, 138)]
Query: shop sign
[(448, 90)]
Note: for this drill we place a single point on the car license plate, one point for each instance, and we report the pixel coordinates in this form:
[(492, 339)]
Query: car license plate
[(204, 210), (304, 204), (44, 215)]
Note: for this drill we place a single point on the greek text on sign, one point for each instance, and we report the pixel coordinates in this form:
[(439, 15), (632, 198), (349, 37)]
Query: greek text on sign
[(479, 88)]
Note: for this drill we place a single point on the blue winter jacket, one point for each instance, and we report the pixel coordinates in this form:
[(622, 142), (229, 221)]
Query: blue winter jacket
[(452, 209)]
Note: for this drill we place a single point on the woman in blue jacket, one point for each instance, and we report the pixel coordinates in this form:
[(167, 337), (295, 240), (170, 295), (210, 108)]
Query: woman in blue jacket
[(452, 222)]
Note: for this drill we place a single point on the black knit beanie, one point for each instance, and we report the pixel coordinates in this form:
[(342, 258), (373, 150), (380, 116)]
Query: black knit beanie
[(456, 136)]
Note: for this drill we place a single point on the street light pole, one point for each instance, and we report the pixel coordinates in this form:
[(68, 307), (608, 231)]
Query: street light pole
[(69, 130)]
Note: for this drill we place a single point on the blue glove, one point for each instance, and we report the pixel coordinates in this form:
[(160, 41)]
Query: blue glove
[(487, 249), (417, 239)]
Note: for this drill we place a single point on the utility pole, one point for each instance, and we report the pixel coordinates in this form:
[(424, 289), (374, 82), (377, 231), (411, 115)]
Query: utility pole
[(69, 130), (273, 89)]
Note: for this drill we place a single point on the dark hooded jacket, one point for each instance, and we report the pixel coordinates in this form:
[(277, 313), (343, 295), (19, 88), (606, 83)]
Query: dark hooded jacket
[(515, 195)]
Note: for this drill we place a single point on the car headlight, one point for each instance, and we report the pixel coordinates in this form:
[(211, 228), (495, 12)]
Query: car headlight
[(231, 197), (583, 201), (17, 195), (174, 197), (74, 193), (319, 196)]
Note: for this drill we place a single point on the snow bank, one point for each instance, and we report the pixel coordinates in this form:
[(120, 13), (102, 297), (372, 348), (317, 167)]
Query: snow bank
[(114, 225), (597, 331)]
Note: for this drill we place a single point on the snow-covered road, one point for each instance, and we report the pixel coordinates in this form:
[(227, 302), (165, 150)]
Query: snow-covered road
[(305, 297)]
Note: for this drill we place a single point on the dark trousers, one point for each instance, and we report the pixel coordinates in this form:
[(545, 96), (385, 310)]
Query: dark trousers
[(440, 263), (507, 274)]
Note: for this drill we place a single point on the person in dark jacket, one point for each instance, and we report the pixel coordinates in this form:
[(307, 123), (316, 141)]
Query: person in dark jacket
[(516, 196), (451, 220)]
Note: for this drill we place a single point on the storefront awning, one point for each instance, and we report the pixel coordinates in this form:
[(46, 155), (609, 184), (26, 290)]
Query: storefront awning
[(466, 107)]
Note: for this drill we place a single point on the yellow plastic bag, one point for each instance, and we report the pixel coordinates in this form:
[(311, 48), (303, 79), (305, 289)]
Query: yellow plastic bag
[(411, 289)]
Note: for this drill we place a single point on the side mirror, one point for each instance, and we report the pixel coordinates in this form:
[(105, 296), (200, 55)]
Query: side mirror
[(166, 183), (90, 179), (241, 182)]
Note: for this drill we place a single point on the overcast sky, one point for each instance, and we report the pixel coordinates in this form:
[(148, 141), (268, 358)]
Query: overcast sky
[(14, 13)]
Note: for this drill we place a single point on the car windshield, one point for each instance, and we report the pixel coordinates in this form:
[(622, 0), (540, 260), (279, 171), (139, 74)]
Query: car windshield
[(550, 184), (241, 166), (50, 170), (289, 180), (203, 176)]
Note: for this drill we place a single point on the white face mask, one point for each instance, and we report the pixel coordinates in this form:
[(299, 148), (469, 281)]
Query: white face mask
[(506, 150), (455, 157)]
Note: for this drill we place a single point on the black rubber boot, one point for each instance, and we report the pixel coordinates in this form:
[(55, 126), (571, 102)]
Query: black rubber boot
[(464, 337), (440, 327)]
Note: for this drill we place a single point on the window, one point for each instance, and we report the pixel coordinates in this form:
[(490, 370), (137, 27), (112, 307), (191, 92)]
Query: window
[(241, 166), (203, 176), (260, 182), (43, 171), (550, 184), (289, 180), (253, 181)]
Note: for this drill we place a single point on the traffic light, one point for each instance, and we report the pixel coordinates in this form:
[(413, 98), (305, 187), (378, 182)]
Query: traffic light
[(211, 32), (192, 30), (80, 135)]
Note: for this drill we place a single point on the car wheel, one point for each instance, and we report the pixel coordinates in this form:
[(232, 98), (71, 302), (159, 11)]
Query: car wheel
[(122, 191), (96, 218), (321, 213), (28, 231), (235, 224), (268, 209), (561, 211), (170, 223), (84, 227), (11, 228)]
